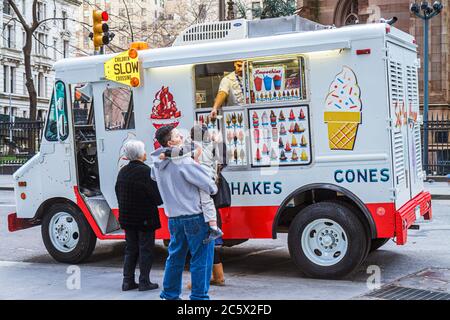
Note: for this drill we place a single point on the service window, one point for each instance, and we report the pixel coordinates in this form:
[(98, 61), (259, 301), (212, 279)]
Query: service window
[(277, 80), (57, 127), (118, 108)]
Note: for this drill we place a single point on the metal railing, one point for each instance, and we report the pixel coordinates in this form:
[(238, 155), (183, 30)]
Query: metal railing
[(438, 145), (19, 141)]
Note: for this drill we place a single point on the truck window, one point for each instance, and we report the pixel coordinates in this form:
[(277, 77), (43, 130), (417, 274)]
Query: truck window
[(82, 104), (57, 125), (118, 108), (211, 78)]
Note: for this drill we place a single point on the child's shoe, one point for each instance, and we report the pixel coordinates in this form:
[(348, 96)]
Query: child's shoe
[(213, 235)]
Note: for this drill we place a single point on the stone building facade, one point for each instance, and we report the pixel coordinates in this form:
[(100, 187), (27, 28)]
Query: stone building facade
[(342, 12)]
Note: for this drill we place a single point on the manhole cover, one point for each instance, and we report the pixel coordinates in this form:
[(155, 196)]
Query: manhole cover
[(403, 293)]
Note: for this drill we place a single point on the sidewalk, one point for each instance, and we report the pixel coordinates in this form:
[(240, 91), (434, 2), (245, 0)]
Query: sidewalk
[(438, 190), (6, 182)]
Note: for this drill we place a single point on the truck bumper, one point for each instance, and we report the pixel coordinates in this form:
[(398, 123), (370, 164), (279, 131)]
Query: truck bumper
[(415, 208)]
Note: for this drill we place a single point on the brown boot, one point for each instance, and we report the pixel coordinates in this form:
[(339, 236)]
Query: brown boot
[(218, 278)]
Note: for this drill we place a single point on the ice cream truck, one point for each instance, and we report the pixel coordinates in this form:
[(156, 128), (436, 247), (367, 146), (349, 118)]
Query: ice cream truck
[(326, 146)]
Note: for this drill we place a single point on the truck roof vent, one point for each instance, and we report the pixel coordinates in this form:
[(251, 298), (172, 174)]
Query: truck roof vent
[(241, 29), (214, 31)]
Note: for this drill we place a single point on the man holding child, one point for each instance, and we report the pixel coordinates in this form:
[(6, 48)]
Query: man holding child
[(180, 181)]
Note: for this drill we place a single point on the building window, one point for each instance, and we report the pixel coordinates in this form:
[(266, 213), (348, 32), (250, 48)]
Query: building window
[(40, 84), (41, 11), (55, 43), (66, 48), (64, 21), (8, 36), (346, 13), (12, 83), (9, 79), (256, 9), (6, 7), (25, 90)]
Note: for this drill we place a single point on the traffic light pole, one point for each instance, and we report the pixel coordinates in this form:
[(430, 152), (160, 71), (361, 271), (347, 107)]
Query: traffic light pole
[(428, 12), (425, 92)]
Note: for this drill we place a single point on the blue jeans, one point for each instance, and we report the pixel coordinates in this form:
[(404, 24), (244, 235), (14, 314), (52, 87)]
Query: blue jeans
[(188, 233)]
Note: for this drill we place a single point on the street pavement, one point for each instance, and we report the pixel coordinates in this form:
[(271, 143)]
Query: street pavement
[(257, 269)]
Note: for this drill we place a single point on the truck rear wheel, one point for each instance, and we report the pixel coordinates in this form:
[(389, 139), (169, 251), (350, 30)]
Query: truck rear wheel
[(327, 240), (67, 235)]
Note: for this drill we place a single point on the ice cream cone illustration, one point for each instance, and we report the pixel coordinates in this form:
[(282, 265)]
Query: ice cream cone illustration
[(255, 120), (257, 135), (280, 143), (303, 142), (273, 154), (283, 156), (294, 156), (304, 156), (294, 141), (265, 150), (258, 155), (343, 110)]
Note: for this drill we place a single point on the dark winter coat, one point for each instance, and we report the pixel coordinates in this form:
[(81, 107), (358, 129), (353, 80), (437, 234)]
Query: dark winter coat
[(138, 197)]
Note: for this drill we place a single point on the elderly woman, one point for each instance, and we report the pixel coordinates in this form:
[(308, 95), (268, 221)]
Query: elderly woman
[(138, 197)]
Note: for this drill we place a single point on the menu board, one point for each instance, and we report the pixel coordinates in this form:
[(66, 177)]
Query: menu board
[(277, 81), (235, 138), (279, 136)]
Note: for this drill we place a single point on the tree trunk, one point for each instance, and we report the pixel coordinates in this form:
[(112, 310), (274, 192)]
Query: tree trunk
[(31, 89), (29, 76)]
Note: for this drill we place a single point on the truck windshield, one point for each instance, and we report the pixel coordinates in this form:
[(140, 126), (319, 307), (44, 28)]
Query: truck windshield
[(57, 125)]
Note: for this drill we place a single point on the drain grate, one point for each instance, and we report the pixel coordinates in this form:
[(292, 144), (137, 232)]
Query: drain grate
[(404, 293)]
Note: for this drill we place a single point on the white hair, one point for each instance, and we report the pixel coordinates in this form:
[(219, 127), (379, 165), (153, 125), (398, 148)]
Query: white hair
[(134, 149)]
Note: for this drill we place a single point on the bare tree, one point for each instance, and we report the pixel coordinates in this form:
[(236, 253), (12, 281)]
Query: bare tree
[(29, 30)]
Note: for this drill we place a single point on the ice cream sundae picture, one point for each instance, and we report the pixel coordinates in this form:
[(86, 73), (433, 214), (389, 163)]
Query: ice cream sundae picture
[(281, 116), (164, 110), (343, 110)]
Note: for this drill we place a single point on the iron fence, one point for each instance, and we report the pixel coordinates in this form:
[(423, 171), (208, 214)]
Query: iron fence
[(19, 141), (438, 145)]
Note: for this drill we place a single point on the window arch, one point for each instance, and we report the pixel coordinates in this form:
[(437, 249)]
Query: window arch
[(346, 13)]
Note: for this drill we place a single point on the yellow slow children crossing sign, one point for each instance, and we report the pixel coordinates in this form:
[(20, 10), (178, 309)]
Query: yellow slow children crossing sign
[(124, 68)]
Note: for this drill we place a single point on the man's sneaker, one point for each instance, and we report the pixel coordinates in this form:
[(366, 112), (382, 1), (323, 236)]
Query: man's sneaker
[(213, 235), (148, 286)]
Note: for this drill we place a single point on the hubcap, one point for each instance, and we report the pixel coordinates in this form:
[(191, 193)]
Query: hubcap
[(64, 233), (324, 242)]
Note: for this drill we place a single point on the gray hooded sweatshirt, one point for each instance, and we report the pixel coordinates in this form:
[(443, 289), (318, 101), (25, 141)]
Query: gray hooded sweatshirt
[(179, 180)]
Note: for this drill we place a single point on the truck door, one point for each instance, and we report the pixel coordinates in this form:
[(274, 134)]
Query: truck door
[(413, 127), (399, 120), (114, 118)]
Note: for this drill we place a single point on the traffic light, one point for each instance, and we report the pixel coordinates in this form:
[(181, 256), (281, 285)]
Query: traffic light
[(100, 34)]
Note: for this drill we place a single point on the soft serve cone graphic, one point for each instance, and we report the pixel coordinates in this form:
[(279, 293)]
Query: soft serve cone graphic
[(343, 110)]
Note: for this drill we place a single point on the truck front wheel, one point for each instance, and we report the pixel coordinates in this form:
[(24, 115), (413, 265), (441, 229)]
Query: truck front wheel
[(327, 240), (67, 234)]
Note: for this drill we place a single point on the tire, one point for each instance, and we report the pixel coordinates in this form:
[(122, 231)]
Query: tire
[(75, 241), (312, 240), (378, 243)]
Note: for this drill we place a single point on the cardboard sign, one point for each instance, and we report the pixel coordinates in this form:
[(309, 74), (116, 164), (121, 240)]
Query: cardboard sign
[(122, 68)]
